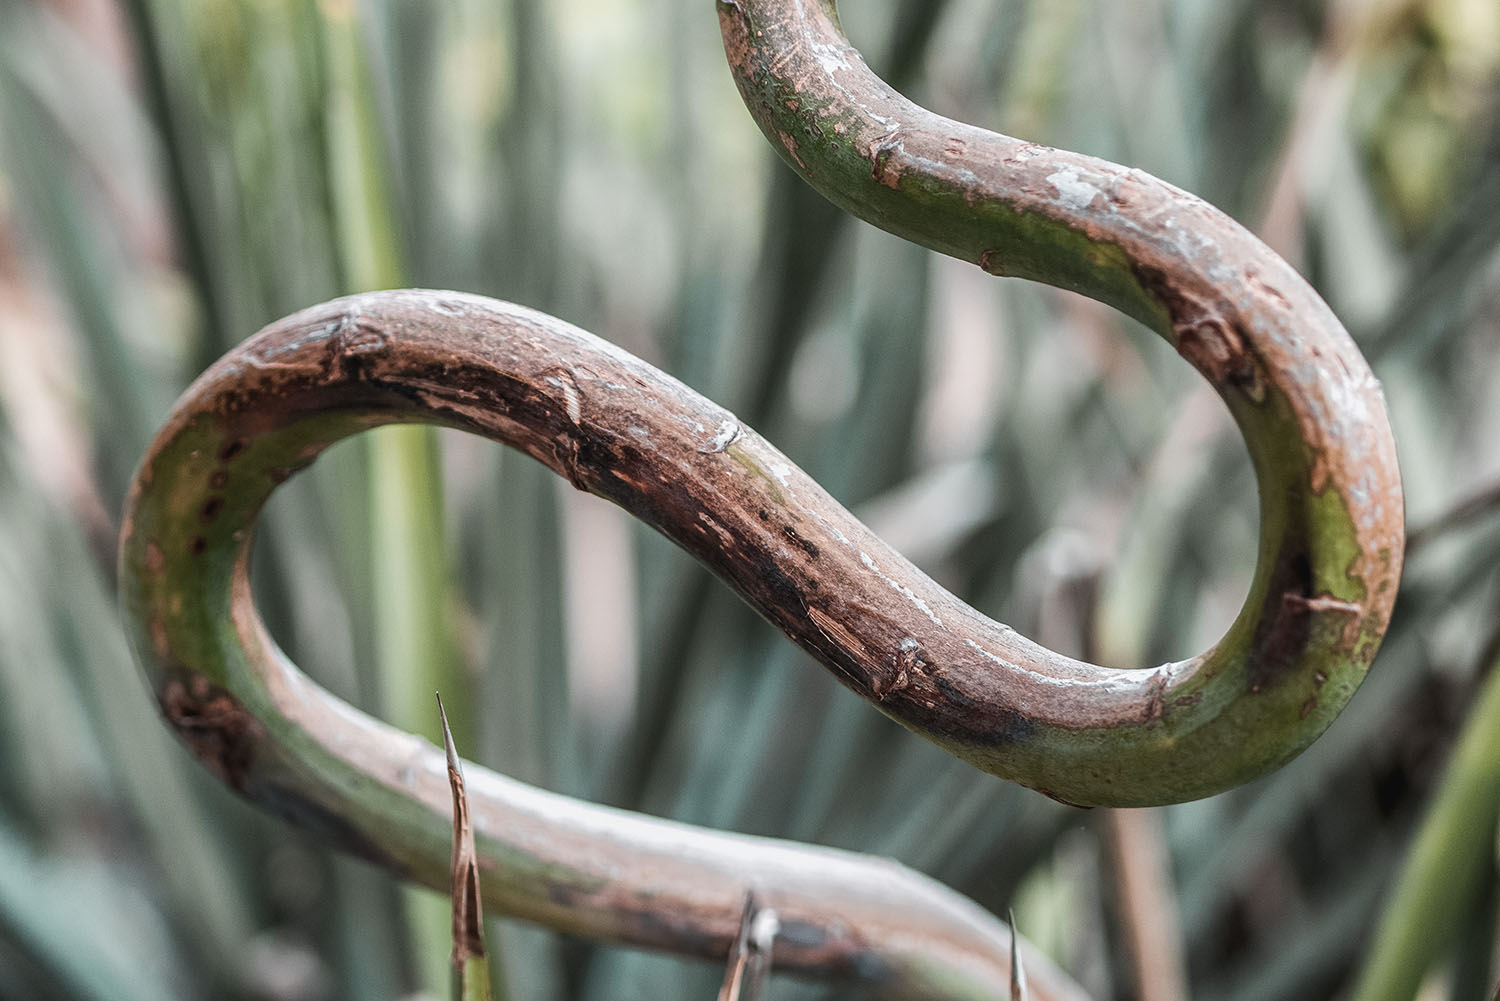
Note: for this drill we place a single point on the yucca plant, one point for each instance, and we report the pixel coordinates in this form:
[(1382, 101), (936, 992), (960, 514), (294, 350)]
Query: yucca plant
[(177, 175)]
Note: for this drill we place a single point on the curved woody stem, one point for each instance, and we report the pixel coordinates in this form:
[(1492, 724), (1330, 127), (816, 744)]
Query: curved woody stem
[(1310, 410), (612, 425)]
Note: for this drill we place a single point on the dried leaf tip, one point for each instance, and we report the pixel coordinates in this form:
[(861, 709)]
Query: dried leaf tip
[(468, 921), (448, 742), (1017, 972), (750, 953)]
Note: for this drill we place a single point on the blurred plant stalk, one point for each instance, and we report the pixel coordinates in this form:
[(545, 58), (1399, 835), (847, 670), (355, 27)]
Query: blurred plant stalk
[(1444, 873), (416, 653)]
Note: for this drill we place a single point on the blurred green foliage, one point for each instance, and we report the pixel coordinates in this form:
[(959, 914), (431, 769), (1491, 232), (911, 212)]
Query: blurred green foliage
[(176, 173)]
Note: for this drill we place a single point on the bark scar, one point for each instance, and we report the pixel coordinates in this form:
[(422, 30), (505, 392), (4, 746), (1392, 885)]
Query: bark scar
[(882, 152), (1206, 336), (216, 726), (853, 650)]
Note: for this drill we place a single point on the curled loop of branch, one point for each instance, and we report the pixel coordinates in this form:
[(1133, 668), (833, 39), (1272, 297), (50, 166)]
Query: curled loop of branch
[(1311, 412), (1309, 408), (615, 426)]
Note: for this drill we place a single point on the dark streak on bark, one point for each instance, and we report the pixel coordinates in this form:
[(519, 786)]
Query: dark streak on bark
[(1284, 633), (216, 727), (1205, 336)]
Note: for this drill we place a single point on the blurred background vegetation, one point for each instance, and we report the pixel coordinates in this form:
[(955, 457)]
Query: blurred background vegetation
[(176, 173)]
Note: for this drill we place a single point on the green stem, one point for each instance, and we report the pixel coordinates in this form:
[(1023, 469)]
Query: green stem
[(412, 599), (1310, 410), (1441, 881), (189, 224), (615, 426), (1311, 413)]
